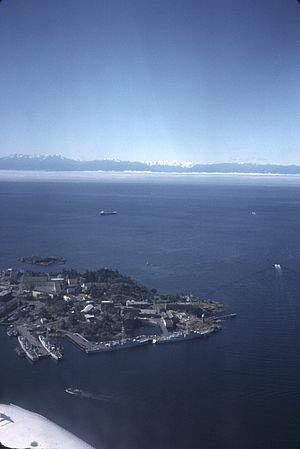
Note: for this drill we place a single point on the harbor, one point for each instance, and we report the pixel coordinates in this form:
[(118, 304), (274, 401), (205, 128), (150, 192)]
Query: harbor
[(30, 344), (36, 346), (98, 311), (93, 347)]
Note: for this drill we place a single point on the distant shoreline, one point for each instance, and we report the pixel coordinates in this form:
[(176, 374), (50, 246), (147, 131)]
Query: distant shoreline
[(59, 163), (144, 172), (141, 176)]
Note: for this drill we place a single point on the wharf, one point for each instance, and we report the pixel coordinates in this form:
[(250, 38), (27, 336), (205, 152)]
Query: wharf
[(83, 344), (91, 347), (40, 350), (163, 328)]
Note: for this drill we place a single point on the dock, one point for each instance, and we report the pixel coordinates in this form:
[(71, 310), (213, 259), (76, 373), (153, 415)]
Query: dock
[(34, 342), (90, 347), (83, 344)]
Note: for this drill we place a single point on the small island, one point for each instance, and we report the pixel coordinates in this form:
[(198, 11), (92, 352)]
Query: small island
[(98, 311), (44, 261)]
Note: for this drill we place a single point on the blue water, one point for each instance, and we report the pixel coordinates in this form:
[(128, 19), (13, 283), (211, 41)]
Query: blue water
[(239, 388)]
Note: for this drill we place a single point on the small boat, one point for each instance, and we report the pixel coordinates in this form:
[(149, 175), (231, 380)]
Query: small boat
[(107, 212), (74, 391)]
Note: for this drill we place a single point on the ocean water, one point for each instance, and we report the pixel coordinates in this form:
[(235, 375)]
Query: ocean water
[(238, 389)]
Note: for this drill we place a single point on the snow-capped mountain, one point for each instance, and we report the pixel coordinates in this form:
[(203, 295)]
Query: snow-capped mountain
[(170, 163), (57, 162)]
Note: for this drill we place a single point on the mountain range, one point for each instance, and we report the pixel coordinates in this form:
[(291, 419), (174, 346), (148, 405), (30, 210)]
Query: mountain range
[(60, 163)]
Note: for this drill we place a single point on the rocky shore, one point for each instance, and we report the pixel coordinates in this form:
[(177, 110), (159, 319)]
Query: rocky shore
[(98, 311)]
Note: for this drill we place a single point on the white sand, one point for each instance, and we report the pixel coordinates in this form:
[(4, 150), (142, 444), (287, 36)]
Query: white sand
[(20, 428)]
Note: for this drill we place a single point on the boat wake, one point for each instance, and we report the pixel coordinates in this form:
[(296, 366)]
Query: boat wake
[(98, 397), (87, 395)]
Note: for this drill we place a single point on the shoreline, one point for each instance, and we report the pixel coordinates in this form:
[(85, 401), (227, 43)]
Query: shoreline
[(85, 308), (21, 428), (101, 175)]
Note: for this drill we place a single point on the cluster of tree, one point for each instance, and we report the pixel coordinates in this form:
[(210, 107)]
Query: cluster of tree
[(70, 273), (112, 284), (168, 298), (105, 325), (103, 275)]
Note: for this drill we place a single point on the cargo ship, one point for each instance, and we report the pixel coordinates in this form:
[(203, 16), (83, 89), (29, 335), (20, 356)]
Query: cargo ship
[(107, 212)]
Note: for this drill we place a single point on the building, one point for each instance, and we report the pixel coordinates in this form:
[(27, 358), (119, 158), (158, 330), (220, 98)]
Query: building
[(5, 295)]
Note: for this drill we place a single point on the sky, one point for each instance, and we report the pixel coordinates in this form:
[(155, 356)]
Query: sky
[(197, 80)]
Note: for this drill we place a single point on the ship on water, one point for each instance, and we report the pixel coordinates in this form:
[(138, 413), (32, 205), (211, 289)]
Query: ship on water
[(28, 349), (74, 391), (51, 347), (180, 336), (125, 343), (107, 212)]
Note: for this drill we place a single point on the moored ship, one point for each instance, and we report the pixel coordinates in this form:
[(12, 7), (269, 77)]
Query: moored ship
[(126, 343), (51, 347), (180, 336), (28, 349), (114, 345), (143, 340)]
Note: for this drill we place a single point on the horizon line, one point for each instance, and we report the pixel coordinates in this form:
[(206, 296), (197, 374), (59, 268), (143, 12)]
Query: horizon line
[(168, 162)]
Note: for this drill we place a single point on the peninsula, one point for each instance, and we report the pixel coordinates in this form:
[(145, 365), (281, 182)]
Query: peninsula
[(98, 311)]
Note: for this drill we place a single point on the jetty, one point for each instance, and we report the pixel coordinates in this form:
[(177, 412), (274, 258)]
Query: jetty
[(35, 344)]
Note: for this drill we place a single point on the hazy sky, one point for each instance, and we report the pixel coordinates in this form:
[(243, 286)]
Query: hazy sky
[(198, 80)]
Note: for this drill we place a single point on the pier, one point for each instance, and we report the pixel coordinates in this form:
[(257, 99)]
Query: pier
[(79, 341), (86, 345), (113, 345), (33, 341)]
